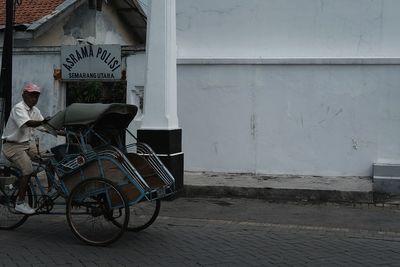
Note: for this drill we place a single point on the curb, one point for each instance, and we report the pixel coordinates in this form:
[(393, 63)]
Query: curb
[(277, 194)]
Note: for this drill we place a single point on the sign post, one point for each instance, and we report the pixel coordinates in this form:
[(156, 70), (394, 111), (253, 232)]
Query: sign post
[(6, 68), (91, 62)]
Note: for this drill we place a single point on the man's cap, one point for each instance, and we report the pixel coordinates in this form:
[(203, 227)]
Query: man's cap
[(31, 88)]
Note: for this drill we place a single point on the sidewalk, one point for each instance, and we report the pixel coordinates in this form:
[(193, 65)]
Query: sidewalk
[(280, 188)]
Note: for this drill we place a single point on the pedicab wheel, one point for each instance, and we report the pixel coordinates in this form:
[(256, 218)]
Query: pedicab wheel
[(143, 214), (93, 208), (9, 218)]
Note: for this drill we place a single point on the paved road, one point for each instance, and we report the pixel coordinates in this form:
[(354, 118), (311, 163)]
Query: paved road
[(222, 232)]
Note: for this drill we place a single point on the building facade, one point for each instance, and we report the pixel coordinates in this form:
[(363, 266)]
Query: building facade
[(289, 87), (39, 38), (292, 87)]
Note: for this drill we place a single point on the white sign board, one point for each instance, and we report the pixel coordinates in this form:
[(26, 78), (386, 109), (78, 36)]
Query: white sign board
[(91, 62)]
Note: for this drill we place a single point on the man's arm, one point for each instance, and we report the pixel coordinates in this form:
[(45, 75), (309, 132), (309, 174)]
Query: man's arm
[(34, 124), (21, 117)]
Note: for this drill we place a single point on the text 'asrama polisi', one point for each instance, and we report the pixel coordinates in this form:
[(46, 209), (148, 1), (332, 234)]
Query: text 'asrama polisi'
[(87, 52)]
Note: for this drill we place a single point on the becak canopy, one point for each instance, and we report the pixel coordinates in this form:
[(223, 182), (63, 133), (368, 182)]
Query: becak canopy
[(115, 115)]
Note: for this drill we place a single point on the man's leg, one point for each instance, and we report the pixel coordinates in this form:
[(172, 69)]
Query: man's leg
[(23, 186), (25, 164), (21, 205), (33, 152), (17, 154), (23, 161)]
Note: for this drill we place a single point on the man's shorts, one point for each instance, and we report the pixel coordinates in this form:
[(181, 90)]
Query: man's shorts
[(21, 154)]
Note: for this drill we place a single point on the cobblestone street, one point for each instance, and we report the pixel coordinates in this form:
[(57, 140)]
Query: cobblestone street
[(221, 232)]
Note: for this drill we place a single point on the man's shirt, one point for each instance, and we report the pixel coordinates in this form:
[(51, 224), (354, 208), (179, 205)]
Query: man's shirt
[(16, 129)]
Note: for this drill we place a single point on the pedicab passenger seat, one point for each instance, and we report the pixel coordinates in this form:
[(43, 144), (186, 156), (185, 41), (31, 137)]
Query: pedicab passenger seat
[(81, 118), (61, 151)]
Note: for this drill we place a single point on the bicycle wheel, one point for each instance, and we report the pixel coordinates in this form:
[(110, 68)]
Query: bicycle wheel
[(9, 218), (93, 207), (143, 214)]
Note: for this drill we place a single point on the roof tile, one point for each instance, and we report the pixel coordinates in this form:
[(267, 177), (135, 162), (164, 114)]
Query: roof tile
[(30, 10)]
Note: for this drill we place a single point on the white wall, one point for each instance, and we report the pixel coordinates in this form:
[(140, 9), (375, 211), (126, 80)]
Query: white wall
[(97, 27), (248, 102), (39, 69), (279, 119), (288, 28)]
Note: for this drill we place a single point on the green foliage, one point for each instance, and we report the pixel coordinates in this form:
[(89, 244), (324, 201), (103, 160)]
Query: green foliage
[(96, 92)]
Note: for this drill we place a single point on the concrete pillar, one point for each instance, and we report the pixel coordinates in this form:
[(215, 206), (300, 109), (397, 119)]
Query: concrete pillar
[(160, 128)]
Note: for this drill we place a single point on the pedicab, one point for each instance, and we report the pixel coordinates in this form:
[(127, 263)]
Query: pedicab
[(108, 185)]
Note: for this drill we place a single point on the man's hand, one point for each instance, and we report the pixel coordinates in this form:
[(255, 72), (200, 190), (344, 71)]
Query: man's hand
[(46, 119)]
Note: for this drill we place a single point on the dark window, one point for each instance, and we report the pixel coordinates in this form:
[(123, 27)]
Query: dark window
[(96, 92)]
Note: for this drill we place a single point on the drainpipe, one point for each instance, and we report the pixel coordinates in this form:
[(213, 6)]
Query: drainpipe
[(6, 67)]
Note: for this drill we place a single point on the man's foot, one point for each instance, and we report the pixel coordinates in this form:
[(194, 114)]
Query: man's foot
[(24, 208)]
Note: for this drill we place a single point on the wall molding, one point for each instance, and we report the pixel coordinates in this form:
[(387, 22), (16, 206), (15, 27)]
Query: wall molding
[(51, 50), (290, 61)]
